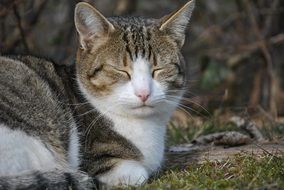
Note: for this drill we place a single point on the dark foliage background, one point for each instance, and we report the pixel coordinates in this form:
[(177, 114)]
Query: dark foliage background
[(235, 48)]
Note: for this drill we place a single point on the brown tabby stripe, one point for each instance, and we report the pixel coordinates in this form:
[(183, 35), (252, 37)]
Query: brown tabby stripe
[(125, 38), (137, 41)]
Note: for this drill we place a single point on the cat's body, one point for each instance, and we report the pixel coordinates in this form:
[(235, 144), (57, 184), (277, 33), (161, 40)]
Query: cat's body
[(36, 124), (107, 116)]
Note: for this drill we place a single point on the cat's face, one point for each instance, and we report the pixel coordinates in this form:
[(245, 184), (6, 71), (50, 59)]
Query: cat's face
[(131, 66)]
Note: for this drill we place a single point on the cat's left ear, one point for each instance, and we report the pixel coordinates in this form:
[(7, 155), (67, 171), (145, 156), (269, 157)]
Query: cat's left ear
[(176, 23)]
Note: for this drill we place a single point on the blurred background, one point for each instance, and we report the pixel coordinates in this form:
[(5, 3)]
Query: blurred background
[(234, 48)]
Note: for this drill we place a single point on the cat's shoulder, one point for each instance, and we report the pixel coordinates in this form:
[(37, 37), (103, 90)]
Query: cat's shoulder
[(23, 70), (26, 64), (29, 60)]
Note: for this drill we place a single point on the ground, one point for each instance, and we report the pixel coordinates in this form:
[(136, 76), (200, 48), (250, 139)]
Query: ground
[(255, 165)]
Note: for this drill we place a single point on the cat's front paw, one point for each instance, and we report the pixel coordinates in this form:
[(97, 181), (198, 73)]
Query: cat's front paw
[(126, 173)]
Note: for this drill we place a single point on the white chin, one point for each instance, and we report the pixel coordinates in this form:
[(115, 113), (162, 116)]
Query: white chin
[(144, 111)]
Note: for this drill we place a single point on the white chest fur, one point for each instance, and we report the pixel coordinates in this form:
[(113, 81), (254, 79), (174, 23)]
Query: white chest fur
[(147, 135)]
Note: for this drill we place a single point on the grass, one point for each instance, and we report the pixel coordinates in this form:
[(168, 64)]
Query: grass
[(179, 135), (244, 171), (184, 134)]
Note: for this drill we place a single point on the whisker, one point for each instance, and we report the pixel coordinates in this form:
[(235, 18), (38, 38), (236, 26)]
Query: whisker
[(93, 123), (187, 107), (181, 108), (186, 92), (90, 126), (87, 112), (188, 100)]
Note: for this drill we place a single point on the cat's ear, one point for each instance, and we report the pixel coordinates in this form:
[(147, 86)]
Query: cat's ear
[(176, 23), (92, 26)]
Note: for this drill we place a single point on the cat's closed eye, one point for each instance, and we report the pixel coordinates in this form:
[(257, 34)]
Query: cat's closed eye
[(171, 70), (123, 72), (95, 71), (155, 72)]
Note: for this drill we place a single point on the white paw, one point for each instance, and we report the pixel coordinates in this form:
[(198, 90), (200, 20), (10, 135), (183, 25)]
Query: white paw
[(126, 173)]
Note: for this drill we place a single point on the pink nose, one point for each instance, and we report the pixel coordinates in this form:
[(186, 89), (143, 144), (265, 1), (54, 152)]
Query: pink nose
[(143, 96)]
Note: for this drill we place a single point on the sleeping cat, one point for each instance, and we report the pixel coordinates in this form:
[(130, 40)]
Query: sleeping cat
[(102, 120)]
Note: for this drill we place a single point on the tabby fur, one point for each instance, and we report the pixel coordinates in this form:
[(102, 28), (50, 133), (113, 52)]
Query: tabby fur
[(101, 120)]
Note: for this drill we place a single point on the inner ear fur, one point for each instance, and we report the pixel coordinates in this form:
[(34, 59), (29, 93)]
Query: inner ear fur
[(93, 28)]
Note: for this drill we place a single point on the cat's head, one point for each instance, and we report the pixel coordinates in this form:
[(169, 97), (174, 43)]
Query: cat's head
[(131, 66)]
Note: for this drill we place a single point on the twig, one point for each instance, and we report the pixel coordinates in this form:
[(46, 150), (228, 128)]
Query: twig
[(267, 56), (6, 6), (269, 19), (257, 32), (36, 14), (277, 39), (255, 95), (246, 50), (19, 23), (26, 27)]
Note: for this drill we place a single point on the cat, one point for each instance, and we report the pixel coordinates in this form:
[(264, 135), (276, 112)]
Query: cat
[(102, 120)]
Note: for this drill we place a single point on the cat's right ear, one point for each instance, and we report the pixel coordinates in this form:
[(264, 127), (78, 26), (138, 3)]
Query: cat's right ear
[(92, 26)]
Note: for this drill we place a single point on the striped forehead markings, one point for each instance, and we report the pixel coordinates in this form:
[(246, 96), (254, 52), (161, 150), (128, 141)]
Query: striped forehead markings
[(137, 42), (125, 38)]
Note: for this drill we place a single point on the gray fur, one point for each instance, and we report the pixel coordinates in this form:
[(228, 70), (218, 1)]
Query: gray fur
[(36, 100), (33, 100), (43, 100), (55, 180)]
